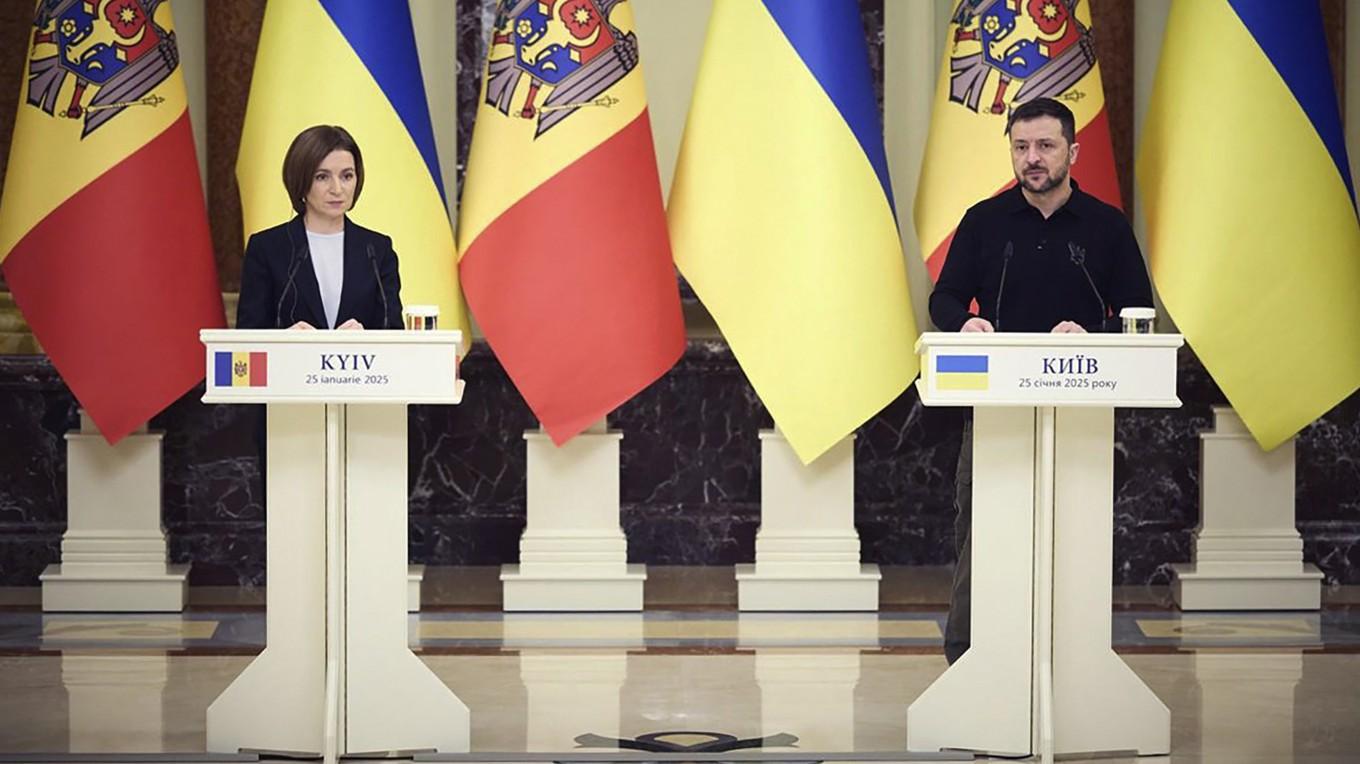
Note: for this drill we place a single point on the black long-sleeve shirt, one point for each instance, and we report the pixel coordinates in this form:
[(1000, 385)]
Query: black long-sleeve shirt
[(1044, 282)]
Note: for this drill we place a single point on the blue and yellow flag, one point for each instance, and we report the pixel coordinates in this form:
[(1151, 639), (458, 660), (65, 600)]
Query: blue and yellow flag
[(353, 63), (782, 217), (1252, 227)]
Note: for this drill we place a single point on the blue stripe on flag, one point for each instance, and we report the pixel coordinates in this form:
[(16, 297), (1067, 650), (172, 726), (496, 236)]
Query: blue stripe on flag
[(829, 36), (1291, 35), (222, 369), (383, 37), (945, 364)]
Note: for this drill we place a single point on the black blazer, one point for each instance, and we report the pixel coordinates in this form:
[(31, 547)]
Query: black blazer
[(268, 301)]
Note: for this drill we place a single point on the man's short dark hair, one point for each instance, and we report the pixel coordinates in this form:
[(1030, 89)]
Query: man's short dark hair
[(1045, 107), (306, 153)]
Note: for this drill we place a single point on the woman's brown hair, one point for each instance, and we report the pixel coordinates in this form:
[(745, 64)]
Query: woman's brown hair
[(305, 154)]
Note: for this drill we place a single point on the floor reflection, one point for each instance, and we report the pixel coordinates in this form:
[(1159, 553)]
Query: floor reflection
[(1242, 687)]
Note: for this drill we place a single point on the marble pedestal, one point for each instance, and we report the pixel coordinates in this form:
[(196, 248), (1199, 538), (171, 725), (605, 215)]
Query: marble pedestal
[(573, 555), (807, 548), (1247, 554), (113, 554)]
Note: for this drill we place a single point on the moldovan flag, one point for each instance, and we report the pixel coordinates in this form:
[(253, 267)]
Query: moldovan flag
[(999, 54), (1251, 219), (353, 63), (565, 259), (782, 216), (103, 235)]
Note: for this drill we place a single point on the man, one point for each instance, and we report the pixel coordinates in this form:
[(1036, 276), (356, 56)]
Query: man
[(1043, 256)]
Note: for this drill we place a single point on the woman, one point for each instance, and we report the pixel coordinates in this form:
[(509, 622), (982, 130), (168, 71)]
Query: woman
[(320, 270)]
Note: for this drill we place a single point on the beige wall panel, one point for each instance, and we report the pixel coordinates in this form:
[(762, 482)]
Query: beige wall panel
[(671, 35), (190, 35), (437, 47), (913, 34)]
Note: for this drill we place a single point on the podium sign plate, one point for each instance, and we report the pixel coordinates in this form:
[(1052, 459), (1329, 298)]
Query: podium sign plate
[(290, 366), (1022, 369)]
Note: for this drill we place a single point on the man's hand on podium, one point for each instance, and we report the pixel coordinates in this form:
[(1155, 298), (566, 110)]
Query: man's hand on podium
[(977, 324), (1069, 327)]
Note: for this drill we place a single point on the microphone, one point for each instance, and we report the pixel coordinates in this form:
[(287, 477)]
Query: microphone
[(1078, 256), (1005, 264), (300, 256), (382, 291)]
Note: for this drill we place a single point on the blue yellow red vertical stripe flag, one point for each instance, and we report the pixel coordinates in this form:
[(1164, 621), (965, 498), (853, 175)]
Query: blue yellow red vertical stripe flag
[(242, 369), (997, 55), (104, 237), (353, 63), (565, 259), (1251, 221), (782, 216)]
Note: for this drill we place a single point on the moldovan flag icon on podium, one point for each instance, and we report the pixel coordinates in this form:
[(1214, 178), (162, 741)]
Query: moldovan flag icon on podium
[(103, 233), (565, 258), (999, 54), (353, 63), (1251, 222), (782, 216)]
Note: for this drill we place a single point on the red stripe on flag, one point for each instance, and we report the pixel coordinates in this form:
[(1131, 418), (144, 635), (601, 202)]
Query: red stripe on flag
[(117, 281), (1095, 169), (575, 288), (259, 369)]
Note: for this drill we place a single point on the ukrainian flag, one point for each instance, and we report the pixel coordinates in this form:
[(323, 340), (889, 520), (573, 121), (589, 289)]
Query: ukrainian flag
[(782, 216), (353, 63), (1252, 228)]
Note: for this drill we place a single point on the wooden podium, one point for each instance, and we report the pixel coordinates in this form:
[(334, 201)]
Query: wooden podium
[(337, 677), (1040, 676)]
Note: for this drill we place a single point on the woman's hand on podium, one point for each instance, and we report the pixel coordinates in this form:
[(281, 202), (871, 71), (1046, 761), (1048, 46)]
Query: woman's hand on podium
[(1069, 327), (302, 325), (351, 324)]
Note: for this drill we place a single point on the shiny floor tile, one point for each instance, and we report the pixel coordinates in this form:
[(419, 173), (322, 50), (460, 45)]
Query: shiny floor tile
[(1231, 707)]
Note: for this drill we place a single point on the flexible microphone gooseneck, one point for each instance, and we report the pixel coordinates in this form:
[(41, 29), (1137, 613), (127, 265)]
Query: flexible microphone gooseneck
[(382, 289), (1078, 256), (300, 256), (1005, 264)]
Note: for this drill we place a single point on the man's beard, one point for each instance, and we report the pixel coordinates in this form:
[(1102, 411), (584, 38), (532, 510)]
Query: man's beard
[(1053, 181)]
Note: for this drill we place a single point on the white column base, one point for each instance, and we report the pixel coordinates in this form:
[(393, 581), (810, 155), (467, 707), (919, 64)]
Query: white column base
[(573, 555), (1211, 589), (113, 554), (415, 574), (814, 589), (109, 592), (1247, 553), (807, 548), (561, 591)]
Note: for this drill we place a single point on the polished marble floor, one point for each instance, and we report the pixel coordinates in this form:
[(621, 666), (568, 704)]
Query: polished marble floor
[(1242, 687)]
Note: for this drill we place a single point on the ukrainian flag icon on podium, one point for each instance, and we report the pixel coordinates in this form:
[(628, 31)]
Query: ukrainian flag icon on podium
[(961, 372)]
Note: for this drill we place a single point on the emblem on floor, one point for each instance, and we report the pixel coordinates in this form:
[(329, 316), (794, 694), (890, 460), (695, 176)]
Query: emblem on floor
[(687, 741)]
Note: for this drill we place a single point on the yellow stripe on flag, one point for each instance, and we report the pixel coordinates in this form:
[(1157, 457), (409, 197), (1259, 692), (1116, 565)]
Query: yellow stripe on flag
[(240, 369), (960, 381)]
